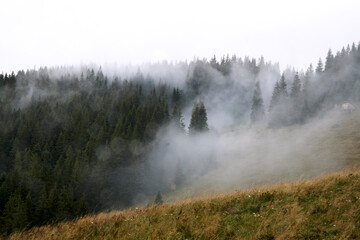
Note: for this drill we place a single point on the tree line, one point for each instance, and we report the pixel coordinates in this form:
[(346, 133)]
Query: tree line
[(336, 82), (62, 157)]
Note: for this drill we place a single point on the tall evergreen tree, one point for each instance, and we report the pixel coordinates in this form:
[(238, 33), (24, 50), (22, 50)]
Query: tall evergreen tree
[(177, 119), (296, 101), (198, 122), (280, 105), (176, 96), (296, 87), (329, 61), (283, 87), (257, 108), (15, 213), (275, 96), (309, 75), (319, 67), (158, 198)]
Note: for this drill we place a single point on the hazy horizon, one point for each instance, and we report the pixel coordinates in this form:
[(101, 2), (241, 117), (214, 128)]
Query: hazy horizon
[(56, 33)]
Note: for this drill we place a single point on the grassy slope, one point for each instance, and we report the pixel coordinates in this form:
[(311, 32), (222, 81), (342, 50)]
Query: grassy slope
[(324, 208), (328, 207)]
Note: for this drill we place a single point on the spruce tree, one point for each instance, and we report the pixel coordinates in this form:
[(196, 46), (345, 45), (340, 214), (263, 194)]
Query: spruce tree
[(329, 61), (15, 213), (279, 106), (283, 87), (297, 103), (176, 96), (275, 96), (158, 198), (257, 108), (177, 119), (309, 75), (198, 122), (319, 68), (296, 87)]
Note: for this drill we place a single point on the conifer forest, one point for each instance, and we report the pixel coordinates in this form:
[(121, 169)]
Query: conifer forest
[(78, 140)]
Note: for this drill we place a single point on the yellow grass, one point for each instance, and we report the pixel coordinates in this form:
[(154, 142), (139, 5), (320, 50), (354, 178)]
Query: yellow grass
[(324, 208)]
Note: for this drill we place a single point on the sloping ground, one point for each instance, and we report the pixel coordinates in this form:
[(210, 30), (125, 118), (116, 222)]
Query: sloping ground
[(324, 208)]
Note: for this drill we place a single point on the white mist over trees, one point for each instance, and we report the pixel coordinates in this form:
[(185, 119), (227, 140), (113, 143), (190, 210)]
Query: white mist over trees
[(77, 140), (198, 121), (257, 108)]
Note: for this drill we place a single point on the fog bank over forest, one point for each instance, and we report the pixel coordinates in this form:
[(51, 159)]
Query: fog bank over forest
[(84, 139)]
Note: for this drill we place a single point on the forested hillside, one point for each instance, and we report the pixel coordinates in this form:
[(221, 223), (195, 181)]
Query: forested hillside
[(78, 140)]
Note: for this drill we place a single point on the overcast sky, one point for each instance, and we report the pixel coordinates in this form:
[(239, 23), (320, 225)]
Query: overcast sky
[(38, 33)]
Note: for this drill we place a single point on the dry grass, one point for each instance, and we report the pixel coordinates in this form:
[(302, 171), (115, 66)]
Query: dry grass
[(324, 208)]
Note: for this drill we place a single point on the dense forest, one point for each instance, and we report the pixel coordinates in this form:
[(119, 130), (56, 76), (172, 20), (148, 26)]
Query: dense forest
[(77, 140)]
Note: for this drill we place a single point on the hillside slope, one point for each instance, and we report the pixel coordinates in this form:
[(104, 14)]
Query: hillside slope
[(328, 207)]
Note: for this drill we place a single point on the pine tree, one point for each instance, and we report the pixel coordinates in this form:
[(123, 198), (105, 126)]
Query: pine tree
[(15, 213), (279, 106), (158, 199), (296, 103), (198, 121), (257, 108), (203, 117), (283, 88), (214, 63), (176, 96), (177, 119), (275, 96), (319, 68), (329, 61), (296, 87), (309, 75), (353, 51), (343, 53)]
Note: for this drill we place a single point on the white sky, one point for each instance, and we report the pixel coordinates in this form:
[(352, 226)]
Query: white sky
[(69, 32)]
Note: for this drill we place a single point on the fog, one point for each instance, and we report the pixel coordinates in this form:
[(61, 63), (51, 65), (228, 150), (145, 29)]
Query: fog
[(236, 154), (296, 140), (246, 156)]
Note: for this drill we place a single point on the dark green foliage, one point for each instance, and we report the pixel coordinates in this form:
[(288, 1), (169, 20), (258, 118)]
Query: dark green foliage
[(15, 213), (78, 151), (198, 122)]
